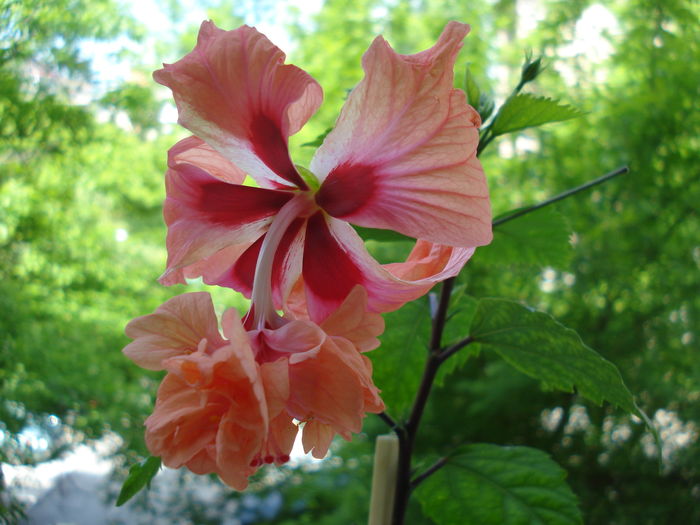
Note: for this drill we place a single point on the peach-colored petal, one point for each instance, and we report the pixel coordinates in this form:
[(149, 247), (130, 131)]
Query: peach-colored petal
[(182, 423), (211, 413), (316, 438), (280, 440), (295, 337), (362, 367), (204, 462), (175, 328), (402, 155), (326, 388), (353, 322), (235, 92), (275, 380), (236, 448)]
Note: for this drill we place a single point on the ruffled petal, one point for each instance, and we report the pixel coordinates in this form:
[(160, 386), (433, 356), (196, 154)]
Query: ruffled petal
[(336, 260), (235, 92), (403, 153), (236, 448), (324, 387), (182, 424), (362, 367), (207, 212), (176, 328), (295, 337), (353, 322)]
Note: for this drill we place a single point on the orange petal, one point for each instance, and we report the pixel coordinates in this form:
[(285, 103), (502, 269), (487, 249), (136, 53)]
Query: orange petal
[(175, 328)]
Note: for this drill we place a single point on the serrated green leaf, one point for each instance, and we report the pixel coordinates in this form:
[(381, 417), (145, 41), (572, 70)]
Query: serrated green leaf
[(457, 328), (540, 239), (398, 363), (485, 484), (537, 345), (526, 111), (140, 476)]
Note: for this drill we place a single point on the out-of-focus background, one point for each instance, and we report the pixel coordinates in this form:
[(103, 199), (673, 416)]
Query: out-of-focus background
[(83, 138)]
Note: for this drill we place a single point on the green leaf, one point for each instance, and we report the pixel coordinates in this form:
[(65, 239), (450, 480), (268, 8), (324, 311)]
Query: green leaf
[(318, 140), (485, 484), (537, 345), (471, 88), (308, 177), (457, 327), (140, 476), (526, 111), (398, 363), (540, 238), (482, 102), (486, 106)]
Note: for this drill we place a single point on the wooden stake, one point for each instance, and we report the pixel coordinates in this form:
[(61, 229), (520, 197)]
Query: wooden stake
[(386, 460)]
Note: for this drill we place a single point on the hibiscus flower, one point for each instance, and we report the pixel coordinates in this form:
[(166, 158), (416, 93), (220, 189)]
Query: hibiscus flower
[(402, 156), (229, 404)]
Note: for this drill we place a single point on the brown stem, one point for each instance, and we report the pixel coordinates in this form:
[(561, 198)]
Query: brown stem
[(407, 432)]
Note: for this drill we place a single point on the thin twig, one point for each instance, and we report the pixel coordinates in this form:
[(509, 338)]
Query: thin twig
[(393, 425), (428, 472), (453, 349), (561, 196)]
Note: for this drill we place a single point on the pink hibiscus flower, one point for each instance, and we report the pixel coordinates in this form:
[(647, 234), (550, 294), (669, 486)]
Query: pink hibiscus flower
[(402, 156), (228, 405)]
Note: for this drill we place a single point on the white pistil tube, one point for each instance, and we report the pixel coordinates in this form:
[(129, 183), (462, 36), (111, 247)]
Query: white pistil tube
[(261, 296)]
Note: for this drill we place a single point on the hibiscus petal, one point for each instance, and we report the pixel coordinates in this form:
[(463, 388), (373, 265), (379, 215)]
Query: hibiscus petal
[(403, 153), (182, 424), (275, 380), (295, 337), (236, 447), (280, 439), (328, 270), (235, 92), (324, 387), (353, 322), (336, 260), (205, 212), (215, 270), (174, 329), (286, 266), (317, 438)]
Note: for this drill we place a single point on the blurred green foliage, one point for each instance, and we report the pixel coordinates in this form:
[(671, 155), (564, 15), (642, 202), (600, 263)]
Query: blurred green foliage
[(81, 239)]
